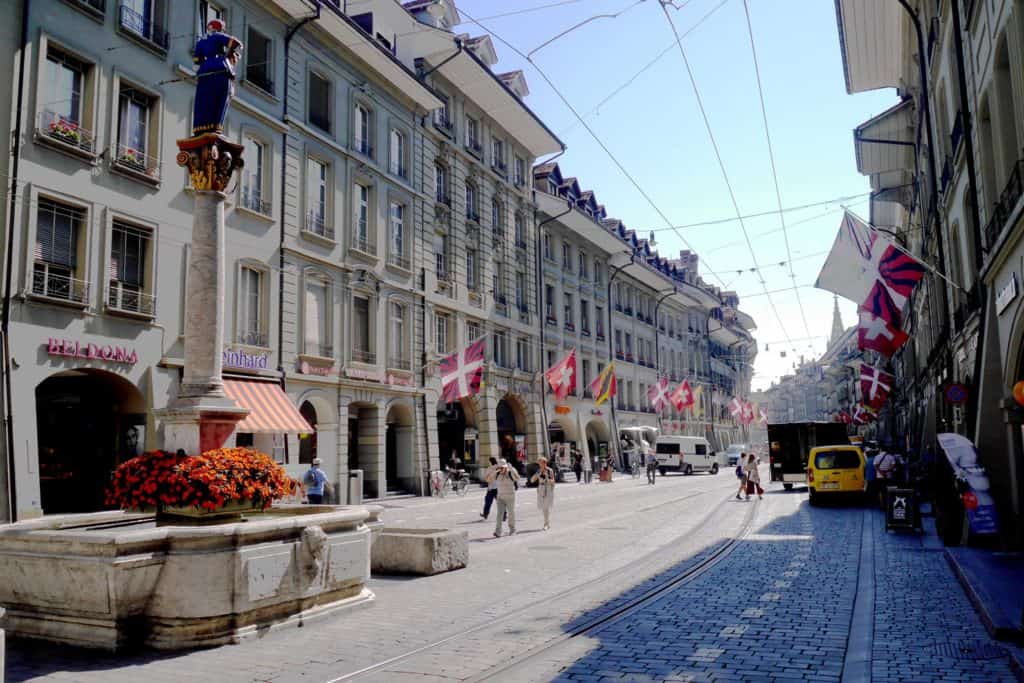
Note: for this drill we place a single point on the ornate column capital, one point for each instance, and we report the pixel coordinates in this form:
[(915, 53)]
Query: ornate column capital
[(211, 160)]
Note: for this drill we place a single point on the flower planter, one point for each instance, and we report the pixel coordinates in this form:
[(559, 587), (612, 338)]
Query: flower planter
[(230, 509)]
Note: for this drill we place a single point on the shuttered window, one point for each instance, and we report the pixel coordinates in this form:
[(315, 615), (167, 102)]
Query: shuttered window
[(57, 231), (128, 254)]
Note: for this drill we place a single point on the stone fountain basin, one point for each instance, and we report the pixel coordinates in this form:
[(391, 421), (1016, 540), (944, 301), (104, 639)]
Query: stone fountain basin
[(114, 579)]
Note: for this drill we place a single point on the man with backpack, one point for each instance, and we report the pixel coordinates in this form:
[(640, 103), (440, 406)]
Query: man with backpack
[(315, 482)]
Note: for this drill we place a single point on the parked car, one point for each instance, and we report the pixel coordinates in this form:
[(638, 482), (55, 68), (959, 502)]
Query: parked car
[(835, 470), (686, 454), (732, 453)]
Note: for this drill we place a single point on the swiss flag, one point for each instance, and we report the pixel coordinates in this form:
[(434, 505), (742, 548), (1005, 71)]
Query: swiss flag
[(845, 417), (877, 334), (747, 416), (682, 397), (562, 376)]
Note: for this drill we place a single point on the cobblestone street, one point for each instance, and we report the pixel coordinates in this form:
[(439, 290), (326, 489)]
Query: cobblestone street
[(776, 605)]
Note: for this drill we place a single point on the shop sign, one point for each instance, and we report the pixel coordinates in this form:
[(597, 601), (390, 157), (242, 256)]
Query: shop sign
[(359, 373), (1006, 293), (399, 381), (956, 394), (74, 349), (246, 361), (307, 368), (563, 410)]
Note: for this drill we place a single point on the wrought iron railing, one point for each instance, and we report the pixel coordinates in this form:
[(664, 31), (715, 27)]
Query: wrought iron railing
[(129, 299), (1003, 208), (364, 356), (316, 224), (56, 282), (399, 261), (364, 245), (137, 161), (252, 338), (54, 126), (318, 349), (396, 363), (252, 199), (143, 27)]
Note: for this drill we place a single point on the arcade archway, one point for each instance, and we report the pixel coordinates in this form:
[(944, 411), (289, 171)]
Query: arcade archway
[(400, 458)]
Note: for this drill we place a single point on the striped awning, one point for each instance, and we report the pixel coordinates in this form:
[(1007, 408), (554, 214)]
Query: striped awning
[(270, 411)]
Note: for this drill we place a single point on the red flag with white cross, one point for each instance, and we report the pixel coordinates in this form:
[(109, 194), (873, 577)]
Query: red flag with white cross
[(877, 334), (562, 376), (682, 397)]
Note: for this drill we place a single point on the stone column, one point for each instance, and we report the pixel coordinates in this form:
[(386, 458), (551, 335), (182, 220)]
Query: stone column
[(202, 417)]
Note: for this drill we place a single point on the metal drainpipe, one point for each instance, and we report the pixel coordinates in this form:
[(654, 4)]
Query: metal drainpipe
[(972, 182), (280, 245), (5, 319), (541, 319), (611, 356)]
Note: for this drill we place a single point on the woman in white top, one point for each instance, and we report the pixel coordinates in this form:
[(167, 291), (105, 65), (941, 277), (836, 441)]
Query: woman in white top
[(753, 477), (545, 480)]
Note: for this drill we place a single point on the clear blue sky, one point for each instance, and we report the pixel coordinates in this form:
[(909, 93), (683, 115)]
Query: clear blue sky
[(655, 129)]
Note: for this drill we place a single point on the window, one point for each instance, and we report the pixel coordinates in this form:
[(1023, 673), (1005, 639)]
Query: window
[(599, 321), (318, 198), (472, 212), (361, 238), (551, 359), (58, 237), (133, 132), (398, 354), (442, 116), (250, 319), (472, 134), (396, 158), (566, 256), (585, 376), (396, 253), (254, 177), (473, 331), (129, 289), (581, 261), (64, 116), (362, 130), (498, 155), (497, 218), (319, 102), (361, 337), (520, 231), (500, 344), (598, 273), (441, 184), (317, 318), (472, 270), (442, 322), (523, 354), (521, 291), (567, 311), (207, 12), (549, 302), (259, 61), (549, 253), (585, 316), (520, 172), (629, 345), (142, 18), (441, 257), (499, 282)]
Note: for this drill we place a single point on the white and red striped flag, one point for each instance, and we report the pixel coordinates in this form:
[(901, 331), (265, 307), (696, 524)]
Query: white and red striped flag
[(462, 371), (562, 376), (658, 394)]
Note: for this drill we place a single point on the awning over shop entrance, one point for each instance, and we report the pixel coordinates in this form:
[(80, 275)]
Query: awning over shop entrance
[(270, 411)]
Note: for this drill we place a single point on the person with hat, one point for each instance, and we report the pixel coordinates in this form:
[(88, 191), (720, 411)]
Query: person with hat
[(315, 482), (215, 56), (506, 480)]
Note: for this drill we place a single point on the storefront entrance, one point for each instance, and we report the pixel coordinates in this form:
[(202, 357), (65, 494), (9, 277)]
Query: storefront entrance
[(456, 433), (400, 460), (88, 422), (511, 419)]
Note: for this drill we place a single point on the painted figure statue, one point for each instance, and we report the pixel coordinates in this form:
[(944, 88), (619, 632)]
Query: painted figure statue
[(215, 55)]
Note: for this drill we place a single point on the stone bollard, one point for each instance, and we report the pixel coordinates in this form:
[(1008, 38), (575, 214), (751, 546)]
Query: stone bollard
[(419, 551)]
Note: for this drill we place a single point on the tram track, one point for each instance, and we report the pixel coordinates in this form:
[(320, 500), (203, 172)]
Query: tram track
[(663, 583)]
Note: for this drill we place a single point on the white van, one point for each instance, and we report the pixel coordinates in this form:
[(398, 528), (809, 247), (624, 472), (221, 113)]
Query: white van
[(686, 454)]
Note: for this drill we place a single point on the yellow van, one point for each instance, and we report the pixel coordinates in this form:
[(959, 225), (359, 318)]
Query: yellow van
[(835, 469)]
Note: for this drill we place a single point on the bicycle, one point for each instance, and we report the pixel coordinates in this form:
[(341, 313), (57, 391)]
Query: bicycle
[(455, 481), (635, 468)]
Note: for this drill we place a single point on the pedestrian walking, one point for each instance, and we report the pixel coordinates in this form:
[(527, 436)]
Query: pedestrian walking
[(652, 467), (545, 480), (753, 477), (492, 488), (577, 465), (506, 481), (869, 475), (316, 483), (741, 474)]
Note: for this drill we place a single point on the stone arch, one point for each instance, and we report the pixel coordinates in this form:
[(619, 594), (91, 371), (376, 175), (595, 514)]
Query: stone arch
[(88, 421), (512, 429), (401, 464)]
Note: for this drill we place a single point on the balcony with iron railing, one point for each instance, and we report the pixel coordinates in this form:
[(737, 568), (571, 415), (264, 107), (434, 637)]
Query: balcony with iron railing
[(143, 28), (474, 148), (252, 200), (126, 298), (399, 260), (316, 224), (364, 245), (319, 350), (444, 125), (399, 363), (1004, 208), (57, 283), (137, 163), (364, 356), (253, 338), (500, 167), (68, 134)]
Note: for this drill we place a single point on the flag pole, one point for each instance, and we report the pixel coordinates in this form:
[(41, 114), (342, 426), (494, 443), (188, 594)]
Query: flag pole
[(899, 247)]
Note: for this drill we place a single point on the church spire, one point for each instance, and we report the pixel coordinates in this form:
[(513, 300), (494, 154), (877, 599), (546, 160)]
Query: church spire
[(837, 323)]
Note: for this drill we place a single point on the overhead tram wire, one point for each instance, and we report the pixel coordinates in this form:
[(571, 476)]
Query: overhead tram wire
[(771, 160), (593, 134), (721, 162)]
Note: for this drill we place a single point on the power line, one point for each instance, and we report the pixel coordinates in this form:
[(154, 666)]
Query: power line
[(771, 159), (580, 24), (591, 131), (721, 162), (527, 10)]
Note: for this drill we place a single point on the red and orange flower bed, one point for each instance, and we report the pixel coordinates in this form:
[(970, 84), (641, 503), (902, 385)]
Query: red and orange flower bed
[(225, 479)]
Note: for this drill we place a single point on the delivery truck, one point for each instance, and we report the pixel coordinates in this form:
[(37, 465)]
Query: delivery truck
[(790, 443)]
